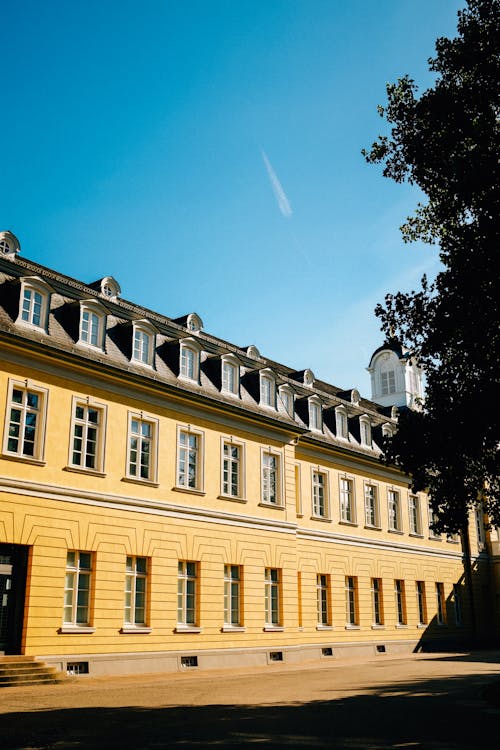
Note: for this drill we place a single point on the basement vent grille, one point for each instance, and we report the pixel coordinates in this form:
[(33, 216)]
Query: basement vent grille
[(276, 656), (188, 662), (328, 651), (381, 649), (77, 667)]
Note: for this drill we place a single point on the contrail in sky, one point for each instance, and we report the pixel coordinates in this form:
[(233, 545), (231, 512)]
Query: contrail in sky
[(280, 195)]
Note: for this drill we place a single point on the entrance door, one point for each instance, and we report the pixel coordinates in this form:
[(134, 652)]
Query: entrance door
[(13, 567)]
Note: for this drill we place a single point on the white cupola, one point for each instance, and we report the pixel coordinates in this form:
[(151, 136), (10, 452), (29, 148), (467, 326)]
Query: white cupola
[(396, 378)]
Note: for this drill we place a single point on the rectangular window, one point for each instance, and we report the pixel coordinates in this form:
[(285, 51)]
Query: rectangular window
[(189, 363), (351, 600), (189, 460), (271, 491), (77, 588), (286, 399), (341, 423), (399, 592), (231, 469), (267, 391), (232, 595), (91, 328), (135, 590), (272, 597), (314, 416), (142, 448), (457, 604), (371, 506), (32, 307), (323, 599), (394, 509), (230, 380), (320, 494), (440, 604), (377, 601), (421, 602), (298, 491), (346, 500), (142, 351), (414, 513), (88, 431), (299, 598), (26, 421), (388, 382), (366, 432), (480, 530), (187, 579)]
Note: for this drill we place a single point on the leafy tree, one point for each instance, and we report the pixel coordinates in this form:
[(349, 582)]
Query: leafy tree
[(446, 141)]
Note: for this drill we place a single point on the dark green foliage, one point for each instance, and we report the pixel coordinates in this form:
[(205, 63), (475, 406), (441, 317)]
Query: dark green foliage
[(446, 141)]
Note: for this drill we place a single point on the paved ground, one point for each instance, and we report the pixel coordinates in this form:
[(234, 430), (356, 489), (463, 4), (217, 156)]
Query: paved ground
[(419, 702)]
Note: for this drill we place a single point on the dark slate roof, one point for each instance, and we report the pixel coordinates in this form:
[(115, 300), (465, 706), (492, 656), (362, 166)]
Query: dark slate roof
[(393, 345)]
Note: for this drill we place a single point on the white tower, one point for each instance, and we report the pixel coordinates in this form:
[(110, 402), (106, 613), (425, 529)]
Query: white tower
[(396, 378)]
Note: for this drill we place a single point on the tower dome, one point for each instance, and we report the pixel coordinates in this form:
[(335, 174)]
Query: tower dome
[(396, 378)]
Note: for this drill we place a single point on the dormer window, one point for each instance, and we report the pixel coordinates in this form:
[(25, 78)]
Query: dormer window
[(253, 352), (286, 399), (315, 415), (34, 302), (267, 389), (92, 324), (143, 342), (341, 422), (355, 397), (110, 288), (230, 372), (194, 323), (387, 430), (365, 431), (9, 245), (309, 378), (189, 360)]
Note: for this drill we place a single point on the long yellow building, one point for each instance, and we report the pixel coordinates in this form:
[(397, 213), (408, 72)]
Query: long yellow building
[(169, 500)]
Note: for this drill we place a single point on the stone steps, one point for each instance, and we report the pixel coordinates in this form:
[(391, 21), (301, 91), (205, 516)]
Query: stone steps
[(17, 671)]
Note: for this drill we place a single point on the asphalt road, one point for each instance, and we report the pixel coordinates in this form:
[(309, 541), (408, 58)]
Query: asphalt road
[(419, 702)]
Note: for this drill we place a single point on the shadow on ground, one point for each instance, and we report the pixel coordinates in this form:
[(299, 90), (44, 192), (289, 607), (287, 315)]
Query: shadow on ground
[(428, 714)]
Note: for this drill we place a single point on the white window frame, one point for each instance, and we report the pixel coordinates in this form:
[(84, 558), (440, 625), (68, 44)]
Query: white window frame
[(79, 589), (316, 486), (394, 519), (200, 448), (144, 328), (286, 393), (315, 414), (141, 441), (265, 481), (273, 597), (365, 431), (188, 575), (371, 499), (233, 580), (231, 442), (92, 308), (26, 409), (414, 514), (298, 489), (377, 597), (387, 383), (189, 369), (267, 398), (323, 600), (133, 575), (350, 505), (341, 423), (387, 430), (230, 364), (26, 317), (351, 601), (87, 404)]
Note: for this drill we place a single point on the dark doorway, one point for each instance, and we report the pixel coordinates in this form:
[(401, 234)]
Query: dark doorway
[(13, 568)]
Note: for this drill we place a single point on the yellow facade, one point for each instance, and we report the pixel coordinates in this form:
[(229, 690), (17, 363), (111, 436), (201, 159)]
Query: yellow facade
[(332, 583)]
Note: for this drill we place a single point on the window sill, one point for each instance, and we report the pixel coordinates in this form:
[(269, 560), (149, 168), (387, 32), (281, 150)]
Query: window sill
[(299, 515), (24, 459), (416, 536), (135, 630), (352, 627), (435, 539), (273, 629), (31, 326), (188, 629), (324, 627), (146, 482), (90, 347), (347, 523), (272, 505), (186, 379), (373, 528), (232, 499), (421, 625), (76, 630), (401, 626), (189, 490), (233, 629), (453, 541), (321, 518), (147, 365), (232, 394), (395, 531), (378, 627), (89, 472)]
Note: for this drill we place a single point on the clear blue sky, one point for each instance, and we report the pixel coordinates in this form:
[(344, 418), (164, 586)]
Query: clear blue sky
[(207, 155)]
